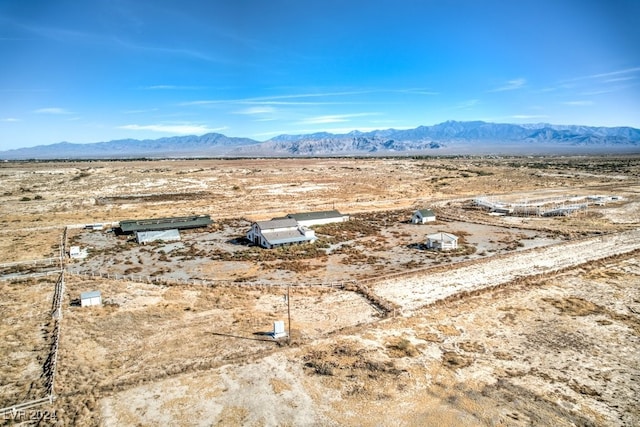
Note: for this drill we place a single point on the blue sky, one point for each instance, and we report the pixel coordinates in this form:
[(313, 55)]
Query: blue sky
[(88, 71)]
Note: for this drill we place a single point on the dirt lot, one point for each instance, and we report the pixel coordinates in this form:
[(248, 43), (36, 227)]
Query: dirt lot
[(562, 351), (533, 321)]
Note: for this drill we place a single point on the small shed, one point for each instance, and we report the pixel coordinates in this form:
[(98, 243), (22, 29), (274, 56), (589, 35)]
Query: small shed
[(76, 252), (442, 241), (90, 298), (422, 216)]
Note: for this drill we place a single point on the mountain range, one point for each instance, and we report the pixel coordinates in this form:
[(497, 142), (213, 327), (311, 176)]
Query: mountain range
[(451, 137)]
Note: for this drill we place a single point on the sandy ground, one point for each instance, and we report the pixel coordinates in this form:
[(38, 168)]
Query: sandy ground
[(536, 322), (553, 353)]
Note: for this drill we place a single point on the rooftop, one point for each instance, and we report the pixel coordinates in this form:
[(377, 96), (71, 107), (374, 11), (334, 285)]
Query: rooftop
[(306, 216), (89, 294), (442, 237), (154, 224), (277, 223)]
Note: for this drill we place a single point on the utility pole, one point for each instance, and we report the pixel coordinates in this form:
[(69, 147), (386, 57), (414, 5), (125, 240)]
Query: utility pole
[(289, 312)]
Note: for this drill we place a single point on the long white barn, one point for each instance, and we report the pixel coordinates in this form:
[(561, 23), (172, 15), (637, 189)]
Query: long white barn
[(309, 219)]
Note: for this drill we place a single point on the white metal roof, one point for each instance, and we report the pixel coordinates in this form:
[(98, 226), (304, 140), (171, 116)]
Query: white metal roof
[(90, 294), (277, 223), (442, 237)]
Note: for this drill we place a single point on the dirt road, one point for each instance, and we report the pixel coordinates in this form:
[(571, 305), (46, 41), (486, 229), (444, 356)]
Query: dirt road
[(411, 293)]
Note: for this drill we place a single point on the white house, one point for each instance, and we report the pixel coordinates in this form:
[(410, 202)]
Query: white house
[(308, 219), (442, 241), (90, 298), (278, 232), (422, 216)]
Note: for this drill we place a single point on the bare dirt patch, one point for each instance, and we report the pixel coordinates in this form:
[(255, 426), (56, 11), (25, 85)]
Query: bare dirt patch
[(25, 310)]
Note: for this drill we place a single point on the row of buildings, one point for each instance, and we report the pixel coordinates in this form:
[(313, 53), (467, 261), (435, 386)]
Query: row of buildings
[(290, 229), (294, 228)]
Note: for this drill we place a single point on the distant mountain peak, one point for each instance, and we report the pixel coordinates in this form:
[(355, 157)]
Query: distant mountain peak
[(448, 137)]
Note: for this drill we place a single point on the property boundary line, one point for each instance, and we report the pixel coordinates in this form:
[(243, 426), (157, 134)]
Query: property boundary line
[(203, 282), (50, 364), (33, 262)]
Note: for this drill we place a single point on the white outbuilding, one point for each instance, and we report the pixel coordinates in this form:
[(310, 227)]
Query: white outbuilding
[(278, 329), (76, 252), (422, 216), (442, 241), (90, 298)]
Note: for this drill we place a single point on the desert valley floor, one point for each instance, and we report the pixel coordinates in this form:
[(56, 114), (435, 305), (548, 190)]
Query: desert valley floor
[(533, 320)]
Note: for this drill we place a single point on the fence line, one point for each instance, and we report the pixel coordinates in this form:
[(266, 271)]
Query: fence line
[(58, 296), (50, 364), (34, 262), (29, 276), (136, 278)]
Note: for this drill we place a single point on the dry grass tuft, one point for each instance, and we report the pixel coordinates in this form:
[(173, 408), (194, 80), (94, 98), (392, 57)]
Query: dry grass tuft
[(401, 347)]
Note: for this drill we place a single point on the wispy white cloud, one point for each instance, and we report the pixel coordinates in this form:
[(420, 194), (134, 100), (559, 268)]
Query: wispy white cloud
[(10, 120), (162, 50), (608, 77), (602, 91), (511, 85), (334, 118), (612, 73), (256, 110), (597, 84), (304, 102), (307, 98), (581, 103), (149, 110), (66, 35), (204, 102), (61, 34), (249, 101), (416, 91), (620, 79), (317, 94), (52, 110), (188, 129)]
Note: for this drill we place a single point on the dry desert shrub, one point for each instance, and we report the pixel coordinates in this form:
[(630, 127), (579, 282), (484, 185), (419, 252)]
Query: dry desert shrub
[(575, 306), (471, 347), (401, 347), (448, 330), (431, 337), (355, 368), (348, 230), (454, 360)]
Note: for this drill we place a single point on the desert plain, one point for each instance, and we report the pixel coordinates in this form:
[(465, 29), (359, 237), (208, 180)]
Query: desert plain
[(533, 320)]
